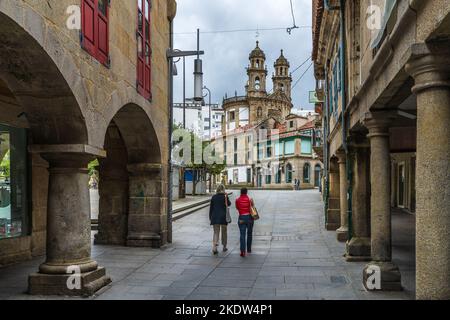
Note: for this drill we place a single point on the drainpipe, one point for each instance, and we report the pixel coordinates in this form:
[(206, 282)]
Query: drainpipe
[(344, 121), (326, 148), (170, 127)]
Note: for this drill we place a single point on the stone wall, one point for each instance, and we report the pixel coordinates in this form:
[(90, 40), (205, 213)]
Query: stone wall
[(82, 96)]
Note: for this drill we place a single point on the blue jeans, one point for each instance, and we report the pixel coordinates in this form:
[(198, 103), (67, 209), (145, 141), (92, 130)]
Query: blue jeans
[(246, 228)]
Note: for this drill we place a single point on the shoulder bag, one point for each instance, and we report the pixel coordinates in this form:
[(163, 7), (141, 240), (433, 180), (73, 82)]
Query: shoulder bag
[(227, 213)]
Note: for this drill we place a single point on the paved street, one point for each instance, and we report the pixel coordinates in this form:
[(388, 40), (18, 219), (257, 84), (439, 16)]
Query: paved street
[(293, 258)]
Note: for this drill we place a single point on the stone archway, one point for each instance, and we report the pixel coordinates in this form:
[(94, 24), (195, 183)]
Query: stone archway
[(132, 183), (42, 99)]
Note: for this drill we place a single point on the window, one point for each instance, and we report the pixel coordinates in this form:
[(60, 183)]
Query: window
[(235, 144), (278, 176), (288, 173), (232, 115), (249, 175), (144, 51), (289, 147), (14, 218), (225, 146), (306, 173), (268, 178), (269, 150), (235, 159), (278, 148), (306, 146), (291, 124), (94, 29)]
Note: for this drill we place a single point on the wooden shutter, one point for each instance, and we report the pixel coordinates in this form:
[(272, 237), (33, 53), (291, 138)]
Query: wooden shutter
[(144, 51), (95, 29)]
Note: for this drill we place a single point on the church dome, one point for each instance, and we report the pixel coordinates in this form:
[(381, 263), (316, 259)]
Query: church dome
[(257, 52), (282, 61)]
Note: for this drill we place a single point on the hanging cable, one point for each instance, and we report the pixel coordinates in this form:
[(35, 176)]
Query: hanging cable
[(302, 76), (289, 30), (239, 30), (303, 63)]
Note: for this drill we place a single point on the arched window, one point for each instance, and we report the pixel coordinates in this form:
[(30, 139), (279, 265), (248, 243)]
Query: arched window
[(306, 173), (288, 173), (282, 87), (257, 63), (257, 83)]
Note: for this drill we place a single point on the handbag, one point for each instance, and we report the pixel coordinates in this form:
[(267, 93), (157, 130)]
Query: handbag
[(253, 211), (227, 213)]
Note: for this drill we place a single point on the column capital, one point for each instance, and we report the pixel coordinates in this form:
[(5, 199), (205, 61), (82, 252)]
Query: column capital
[(341, 156), (378, 122), (429, 65), (67, 156)]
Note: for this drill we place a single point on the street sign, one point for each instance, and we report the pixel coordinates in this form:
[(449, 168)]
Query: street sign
[(313, 97)]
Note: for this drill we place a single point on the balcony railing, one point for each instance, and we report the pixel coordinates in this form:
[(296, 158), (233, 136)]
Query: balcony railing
[(234, 99)]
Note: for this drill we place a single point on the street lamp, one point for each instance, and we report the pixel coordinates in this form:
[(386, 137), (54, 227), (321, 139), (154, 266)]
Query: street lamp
[(198, 73)]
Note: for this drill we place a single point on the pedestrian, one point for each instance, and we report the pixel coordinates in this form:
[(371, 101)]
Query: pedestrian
[(245, 221), (218, 217), (295, 184), (298, 184)]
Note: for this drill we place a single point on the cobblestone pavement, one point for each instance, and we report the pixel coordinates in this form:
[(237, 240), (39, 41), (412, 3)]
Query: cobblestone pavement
[(293, 258)]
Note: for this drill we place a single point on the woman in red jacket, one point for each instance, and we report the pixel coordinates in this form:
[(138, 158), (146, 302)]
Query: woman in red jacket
[(245, 221)]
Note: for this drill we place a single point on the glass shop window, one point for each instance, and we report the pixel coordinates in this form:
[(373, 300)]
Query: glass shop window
[(13, 182)]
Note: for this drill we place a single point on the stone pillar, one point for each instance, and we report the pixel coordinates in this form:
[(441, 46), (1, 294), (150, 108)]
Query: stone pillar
[(342, 232), (358, 248), (380, 167), (113, 191), (333, 212), (431, 72), (147, 215), (68, 225)]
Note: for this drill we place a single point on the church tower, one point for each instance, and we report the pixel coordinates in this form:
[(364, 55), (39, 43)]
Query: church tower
[(282, 80), (257, 73)]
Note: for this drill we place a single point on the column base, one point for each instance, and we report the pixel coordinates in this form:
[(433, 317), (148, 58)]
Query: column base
[(358, 249), (151, 240), (57, 284), (388, 279), (342, 234)]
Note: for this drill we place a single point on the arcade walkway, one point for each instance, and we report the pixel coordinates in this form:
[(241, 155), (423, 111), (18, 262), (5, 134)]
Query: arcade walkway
[(293, 258)]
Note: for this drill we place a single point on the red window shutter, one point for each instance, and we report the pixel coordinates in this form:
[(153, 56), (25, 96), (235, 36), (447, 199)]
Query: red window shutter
[(95, 29), (144, 74), (88, 25)]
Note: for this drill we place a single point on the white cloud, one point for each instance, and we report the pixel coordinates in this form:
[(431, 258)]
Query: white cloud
[(226, 54)]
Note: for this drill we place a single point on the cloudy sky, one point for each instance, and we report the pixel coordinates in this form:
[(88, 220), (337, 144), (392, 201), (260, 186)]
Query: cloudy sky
[(226, 53)]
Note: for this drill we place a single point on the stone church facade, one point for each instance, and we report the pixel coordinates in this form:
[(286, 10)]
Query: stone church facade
[(67, 97), (263, 143)]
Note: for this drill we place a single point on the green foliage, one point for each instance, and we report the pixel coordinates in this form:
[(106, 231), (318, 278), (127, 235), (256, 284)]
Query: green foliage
[(92, 166), (5, 166)]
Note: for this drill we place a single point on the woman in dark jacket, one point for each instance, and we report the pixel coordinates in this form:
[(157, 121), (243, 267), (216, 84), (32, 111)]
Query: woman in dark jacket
[(218, 217)]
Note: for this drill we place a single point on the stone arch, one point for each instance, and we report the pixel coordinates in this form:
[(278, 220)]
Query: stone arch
[(37, 83), (131, 184)]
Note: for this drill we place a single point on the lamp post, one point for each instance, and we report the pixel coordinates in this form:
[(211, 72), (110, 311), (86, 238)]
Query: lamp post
[(175, 53)]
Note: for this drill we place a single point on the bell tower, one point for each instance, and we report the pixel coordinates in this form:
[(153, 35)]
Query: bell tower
[(257, 73), (282, 80)]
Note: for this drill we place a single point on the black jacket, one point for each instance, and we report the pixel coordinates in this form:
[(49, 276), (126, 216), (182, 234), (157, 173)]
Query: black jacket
[(217, 209)]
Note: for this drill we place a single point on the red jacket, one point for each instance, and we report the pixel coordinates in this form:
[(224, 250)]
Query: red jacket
[(243, 204)]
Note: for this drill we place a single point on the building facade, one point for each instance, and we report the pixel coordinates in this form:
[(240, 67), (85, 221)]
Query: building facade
[(263, 143), (70, 94), (382, 70), (197, 118)]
